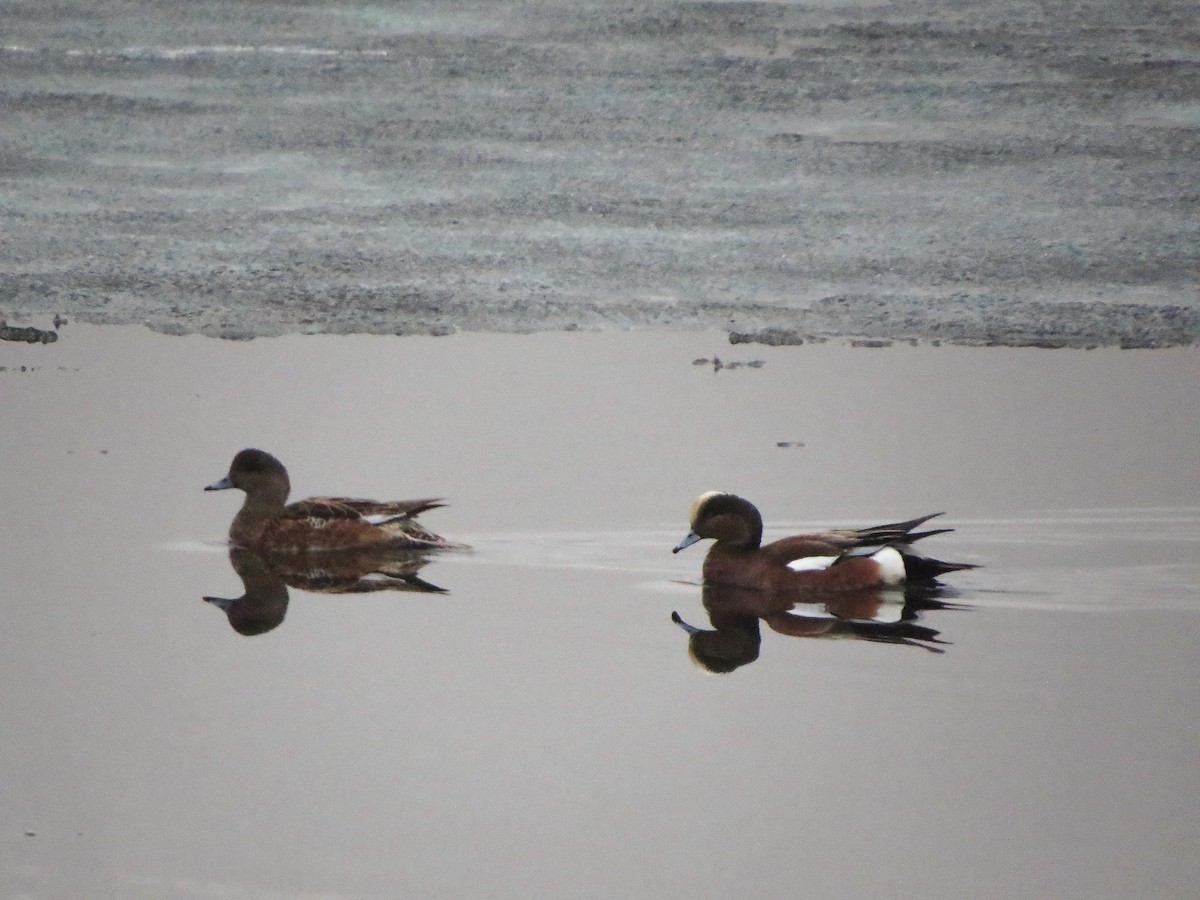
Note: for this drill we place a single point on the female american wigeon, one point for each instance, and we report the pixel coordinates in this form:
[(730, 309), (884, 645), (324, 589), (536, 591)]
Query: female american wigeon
[(266, 579), (838, 560), (266, 525)]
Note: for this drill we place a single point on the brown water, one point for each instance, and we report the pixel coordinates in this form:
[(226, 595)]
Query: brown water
[(539, 730)]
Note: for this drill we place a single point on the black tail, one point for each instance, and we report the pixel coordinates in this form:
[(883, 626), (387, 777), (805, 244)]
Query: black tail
[(913, 538), (883, 630), (899, 633), (927, 569), (917, 569)]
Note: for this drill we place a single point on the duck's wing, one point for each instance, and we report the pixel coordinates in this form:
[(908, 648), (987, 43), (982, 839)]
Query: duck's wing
[(825, 546), (839, 541), (324, 508), (822, 551), (380, 510), (892, 533), (355, 571), (320, 582)]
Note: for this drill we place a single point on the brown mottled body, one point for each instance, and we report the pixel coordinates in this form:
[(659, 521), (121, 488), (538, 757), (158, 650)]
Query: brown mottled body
[(319, 524), (325, 523)]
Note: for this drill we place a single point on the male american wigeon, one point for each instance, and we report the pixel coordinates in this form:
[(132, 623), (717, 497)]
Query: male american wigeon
[(735, 613), (837, 560), (265, 524)]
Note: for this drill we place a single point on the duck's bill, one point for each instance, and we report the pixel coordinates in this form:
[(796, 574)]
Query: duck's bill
[(678, 620), (221, 485), (691, 538)]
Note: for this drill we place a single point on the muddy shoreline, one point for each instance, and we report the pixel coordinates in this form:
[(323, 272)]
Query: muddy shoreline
[(961, 172)]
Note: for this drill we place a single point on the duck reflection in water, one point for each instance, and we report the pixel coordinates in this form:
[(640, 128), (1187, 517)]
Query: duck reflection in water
[(850, 572), (266, 580), (735, 613)]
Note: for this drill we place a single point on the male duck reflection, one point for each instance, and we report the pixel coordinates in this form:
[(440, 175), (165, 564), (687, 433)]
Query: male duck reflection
[(831, 561), (266, 525), (735, 613)]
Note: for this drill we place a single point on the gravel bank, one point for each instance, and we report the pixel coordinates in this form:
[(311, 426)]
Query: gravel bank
[(1000, 172)]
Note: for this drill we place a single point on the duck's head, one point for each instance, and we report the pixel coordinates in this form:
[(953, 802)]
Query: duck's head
[(259, 474), (727, 518)]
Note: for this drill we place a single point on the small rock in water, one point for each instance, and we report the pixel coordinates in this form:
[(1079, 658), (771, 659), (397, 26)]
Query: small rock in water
[(28, 335), (718, 364)]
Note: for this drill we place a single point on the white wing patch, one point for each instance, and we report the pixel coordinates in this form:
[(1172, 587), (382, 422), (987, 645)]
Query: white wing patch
[(891, 609), (811, 563), (891, 565), (380, 518)]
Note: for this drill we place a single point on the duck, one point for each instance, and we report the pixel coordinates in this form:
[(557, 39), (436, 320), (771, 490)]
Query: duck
[(736, 613), (264, 603), (838, 560), (268, 524)]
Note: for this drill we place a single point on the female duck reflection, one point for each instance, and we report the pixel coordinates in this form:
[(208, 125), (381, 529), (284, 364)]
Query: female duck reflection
[(848, 572), (266, 581), (323, 544)]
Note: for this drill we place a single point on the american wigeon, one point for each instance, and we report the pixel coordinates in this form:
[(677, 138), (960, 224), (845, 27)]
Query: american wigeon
[(318, 524), (264, 603), (837, 560), (735, 614)]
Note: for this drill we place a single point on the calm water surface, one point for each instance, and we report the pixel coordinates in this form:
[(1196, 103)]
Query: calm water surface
[(539, 728)]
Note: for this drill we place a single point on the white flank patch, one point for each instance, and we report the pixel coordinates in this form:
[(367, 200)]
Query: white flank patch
[(891, 608), (811, 563), (891, 565), (380, 578), (380, 518)]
